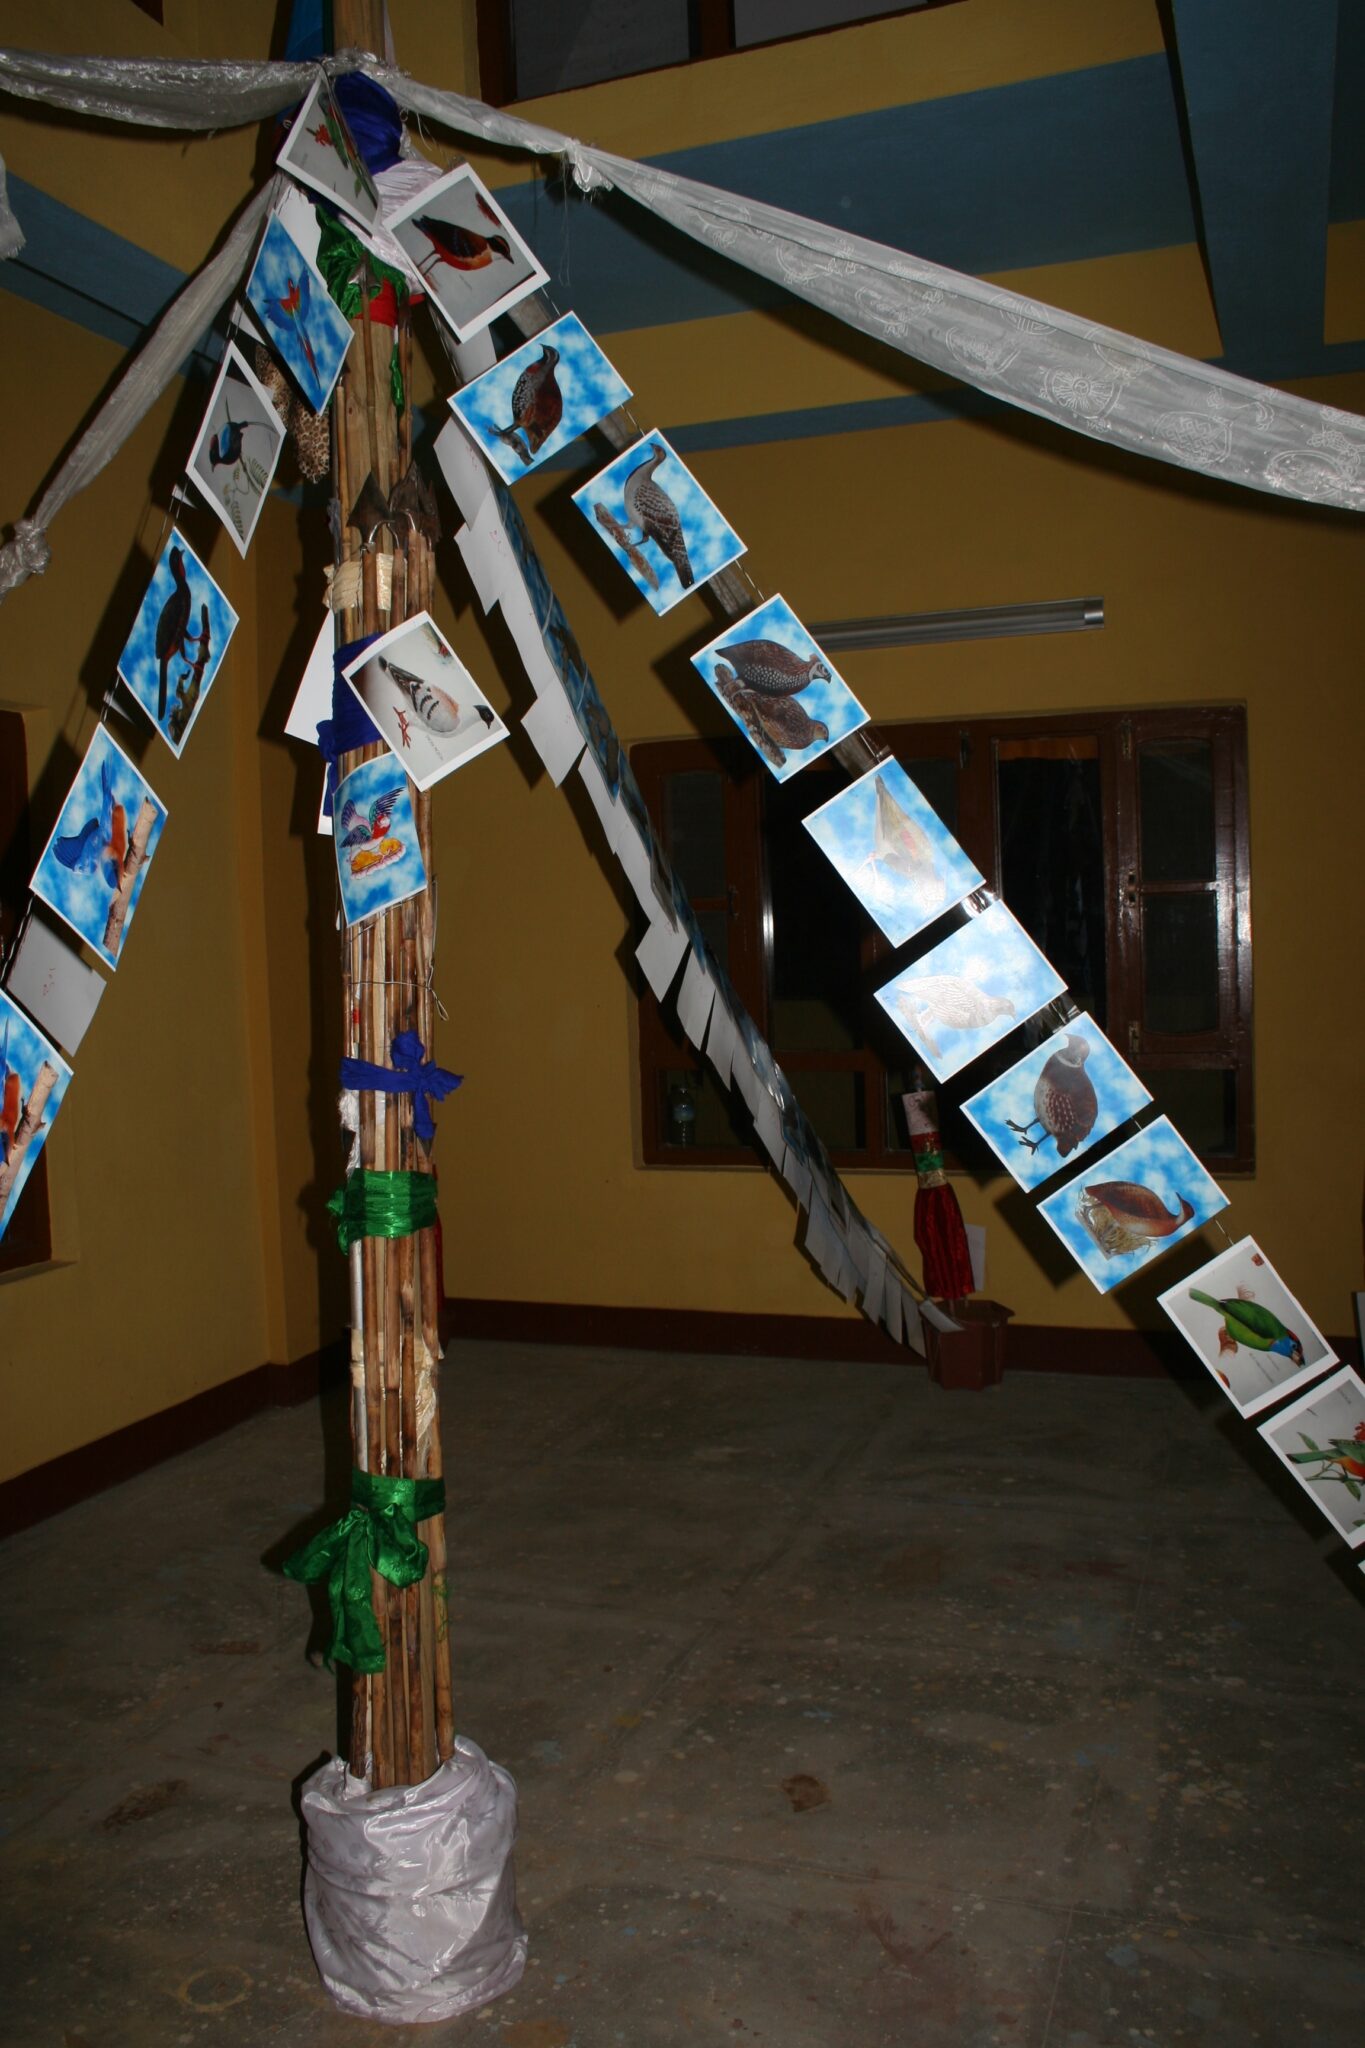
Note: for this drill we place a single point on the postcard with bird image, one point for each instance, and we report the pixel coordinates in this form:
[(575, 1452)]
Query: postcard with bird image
[(1057, 1102), (320, 152), (1132, 1205), (888, 843), (969, 991), (1238, 1316), (238, 448), (424, 700), (298, 315), (177, 644), (379, 856), (33, 1080), (783, 693), (540, 398), (658, 522), (465, 253), (95, 863), (1321, 1438)]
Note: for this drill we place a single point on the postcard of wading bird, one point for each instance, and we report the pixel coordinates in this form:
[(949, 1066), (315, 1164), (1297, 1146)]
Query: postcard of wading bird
[(658, 522), (33, 1080), (298, 315), (1133, 1204), (238, 446), (177, 644), (538, 399), (379, 858), (900, 861), (783, 693), (465, 253), (320, 153), (95, 863), (1236, 1313), (1056, 1102), (424, 700)]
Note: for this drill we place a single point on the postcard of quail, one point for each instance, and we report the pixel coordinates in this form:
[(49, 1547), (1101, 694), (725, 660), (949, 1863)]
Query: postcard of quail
[(177, 644), (659, 523), (1247, 1329), (1133, 1204), (237, 448), (424, 700), (1321, 1439), (782, 691), (1056, 1102), (95, 863), (321, 154), (969, 991), (893, 850), (33, 1081), (540, 398), (464, 252)]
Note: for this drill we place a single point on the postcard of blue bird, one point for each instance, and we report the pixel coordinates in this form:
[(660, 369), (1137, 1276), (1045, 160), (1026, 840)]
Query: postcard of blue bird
[(659, 523), (379, 857), (464, 252), (33, 1081), (1056, 1102), (237, 448), (540, 398), (780, 688), (179, 637), (1247, 1329), (895, 853), (297, 314), (95, 863), (1127, 1208), (320, 152), (969, 991)]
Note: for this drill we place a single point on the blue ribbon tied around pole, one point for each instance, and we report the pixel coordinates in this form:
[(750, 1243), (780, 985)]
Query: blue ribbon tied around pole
[(350, 725), (412, 1073)]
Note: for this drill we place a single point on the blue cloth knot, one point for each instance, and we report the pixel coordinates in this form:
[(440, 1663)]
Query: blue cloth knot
[(412, 1073), (350, 725)]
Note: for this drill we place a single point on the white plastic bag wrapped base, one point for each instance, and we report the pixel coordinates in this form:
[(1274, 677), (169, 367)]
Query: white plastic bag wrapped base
[(410, 1897)]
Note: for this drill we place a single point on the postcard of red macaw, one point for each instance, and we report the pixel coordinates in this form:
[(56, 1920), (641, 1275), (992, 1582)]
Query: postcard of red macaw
[(320, 153), (297, 314), (95, 863), (33, 1081), (177, 644), (1321, 1439), (238, 447), (1241, 1321), (379, 856), (465, 253), (424, 700)]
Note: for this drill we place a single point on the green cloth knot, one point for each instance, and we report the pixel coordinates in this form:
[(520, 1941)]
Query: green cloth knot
[(377, 1533), (340, 255), (374, 1204)]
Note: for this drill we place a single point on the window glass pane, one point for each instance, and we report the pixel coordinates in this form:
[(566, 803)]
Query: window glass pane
[(1180, 962), (694, 830), (555, 46), (695, 1114), (1052, 856), (834, 1102), (1176, 797), (817, 929), (715, 929), (1202, 1104)]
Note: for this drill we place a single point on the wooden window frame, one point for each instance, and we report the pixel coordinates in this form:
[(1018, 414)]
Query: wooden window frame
[(1120, 737)]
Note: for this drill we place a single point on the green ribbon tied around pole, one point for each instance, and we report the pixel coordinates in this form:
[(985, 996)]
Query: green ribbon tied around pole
[(374, 1204), (378, 1533), (342, 258)]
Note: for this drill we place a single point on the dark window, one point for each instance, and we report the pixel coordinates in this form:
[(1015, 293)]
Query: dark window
[(28, 1239), (1119, 841)]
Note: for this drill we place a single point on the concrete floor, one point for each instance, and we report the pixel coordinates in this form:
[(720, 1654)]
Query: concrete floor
[(845, 1712)]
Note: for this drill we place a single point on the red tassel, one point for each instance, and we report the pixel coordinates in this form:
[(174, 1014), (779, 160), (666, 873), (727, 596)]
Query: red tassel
[(940, 1232)]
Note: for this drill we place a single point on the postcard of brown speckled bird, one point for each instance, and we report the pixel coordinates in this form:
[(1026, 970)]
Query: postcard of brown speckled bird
[(424, 700), (972, 989), (1321, 1438), (1245, 1326), (1133, 1205), (1056, 1102), (464, 252), (780, 688), (320, 153), (893, 850), (178, 641), (237, 448), (33, 1080), (658, 522), (540, 398)]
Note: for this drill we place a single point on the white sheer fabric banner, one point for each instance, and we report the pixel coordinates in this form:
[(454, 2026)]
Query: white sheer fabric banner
[(1093, 380)]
